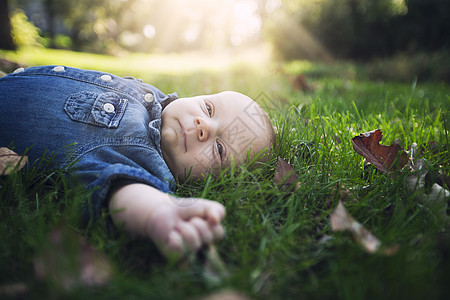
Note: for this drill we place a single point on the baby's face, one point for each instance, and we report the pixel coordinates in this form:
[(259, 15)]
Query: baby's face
[(207, 133)]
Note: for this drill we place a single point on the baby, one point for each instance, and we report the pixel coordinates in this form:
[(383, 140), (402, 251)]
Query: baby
[(128, 142)]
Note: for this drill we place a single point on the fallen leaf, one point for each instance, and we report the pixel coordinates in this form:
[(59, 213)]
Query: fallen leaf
[(383, 157), (416, 151), (438, 194), (418, 176), (8, 66), (67, 261), (299, 82), (285, 175), (10, 161), (341, 220), (415, 183)]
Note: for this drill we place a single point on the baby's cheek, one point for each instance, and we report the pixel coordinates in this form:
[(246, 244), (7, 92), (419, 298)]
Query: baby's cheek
[(168, 136)]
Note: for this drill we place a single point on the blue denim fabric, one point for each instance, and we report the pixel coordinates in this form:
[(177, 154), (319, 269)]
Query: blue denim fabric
[(101, 126)]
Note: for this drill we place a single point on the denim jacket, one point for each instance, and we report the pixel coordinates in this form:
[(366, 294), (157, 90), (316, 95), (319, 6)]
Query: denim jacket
[(104, 127)]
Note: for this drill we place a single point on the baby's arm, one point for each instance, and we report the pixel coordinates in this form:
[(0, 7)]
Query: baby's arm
[(174, 224)]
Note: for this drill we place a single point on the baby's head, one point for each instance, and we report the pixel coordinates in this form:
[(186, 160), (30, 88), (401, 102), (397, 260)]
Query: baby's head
[(205, 133)]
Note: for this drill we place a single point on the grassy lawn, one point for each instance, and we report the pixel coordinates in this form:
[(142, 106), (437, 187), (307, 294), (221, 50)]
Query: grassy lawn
[(279, 245)]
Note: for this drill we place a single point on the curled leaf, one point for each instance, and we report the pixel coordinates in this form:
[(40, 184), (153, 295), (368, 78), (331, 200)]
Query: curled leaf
[(10, 160), (439, 194), (417, 179), (341, 220), (285, 175), (385, 158)]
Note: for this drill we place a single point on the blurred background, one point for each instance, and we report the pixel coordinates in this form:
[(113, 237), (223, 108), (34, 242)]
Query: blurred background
[(294, 29)]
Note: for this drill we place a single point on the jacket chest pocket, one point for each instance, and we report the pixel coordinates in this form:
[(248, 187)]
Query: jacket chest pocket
[(104, 110)]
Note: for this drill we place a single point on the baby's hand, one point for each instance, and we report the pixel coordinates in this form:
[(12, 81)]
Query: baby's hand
[(185, 225), (176, 225)]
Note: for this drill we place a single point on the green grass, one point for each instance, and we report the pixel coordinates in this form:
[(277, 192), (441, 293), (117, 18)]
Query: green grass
[(278, 245)]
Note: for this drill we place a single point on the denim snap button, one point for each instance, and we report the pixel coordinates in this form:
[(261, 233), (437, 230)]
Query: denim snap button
[(18, 70), (59, 69), (109, 108), (148, 98), (106, 77)]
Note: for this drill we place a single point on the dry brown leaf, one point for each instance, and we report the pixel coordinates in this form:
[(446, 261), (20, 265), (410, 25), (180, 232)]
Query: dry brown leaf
[(9, 66), (9, 160), (299, 82), (383, 157), (67, 261), (285, 175), (341, 220)]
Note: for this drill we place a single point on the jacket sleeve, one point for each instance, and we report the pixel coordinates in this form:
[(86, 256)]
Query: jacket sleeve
[(100, 176)]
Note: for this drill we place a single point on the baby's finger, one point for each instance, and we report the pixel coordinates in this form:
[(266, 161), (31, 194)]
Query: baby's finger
[(191, 237), (175, 241), (215, 213), (207, 209), (218, 232), (203, 229), (172, 247)]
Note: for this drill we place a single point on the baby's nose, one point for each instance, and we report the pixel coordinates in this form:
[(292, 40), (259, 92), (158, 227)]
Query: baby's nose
[(202, 127)]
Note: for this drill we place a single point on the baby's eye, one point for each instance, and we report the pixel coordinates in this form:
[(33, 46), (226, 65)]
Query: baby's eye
[(209, 109), (219, 148)]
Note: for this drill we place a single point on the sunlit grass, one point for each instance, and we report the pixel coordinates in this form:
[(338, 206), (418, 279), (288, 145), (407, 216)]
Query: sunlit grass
[(188, 74), (278, 245), (140, 63)]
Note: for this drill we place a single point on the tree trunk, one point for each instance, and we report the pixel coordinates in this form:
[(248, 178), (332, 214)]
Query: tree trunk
[(49, 5), (6, 41)]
